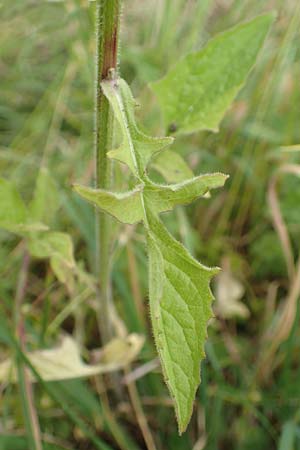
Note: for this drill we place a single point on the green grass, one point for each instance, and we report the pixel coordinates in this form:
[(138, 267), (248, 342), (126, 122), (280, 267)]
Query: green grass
[(46, 117)]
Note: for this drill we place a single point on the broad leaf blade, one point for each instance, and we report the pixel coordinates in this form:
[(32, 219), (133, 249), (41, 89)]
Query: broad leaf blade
[(180, 305), (196, 93)]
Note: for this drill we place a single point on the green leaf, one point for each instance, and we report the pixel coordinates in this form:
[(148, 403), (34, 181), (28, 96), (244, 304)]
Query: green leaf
[(288, 436), (13, 212), (45, 200), (14, 215), (180, 297), (9, 442), (180, 300), (172, 167), (137, 149), (126, 207), (164, 197), (195, 94), (59, 248)]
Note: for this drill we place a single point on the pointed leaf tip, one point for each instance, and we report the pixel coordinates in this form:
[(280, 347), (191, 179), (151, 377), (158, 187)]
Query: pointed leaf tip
[(198, 90), (180, 306)]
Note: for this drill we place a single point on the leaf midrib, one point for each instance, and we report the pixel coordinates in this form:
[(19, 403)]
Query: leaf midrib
[(130, 142)]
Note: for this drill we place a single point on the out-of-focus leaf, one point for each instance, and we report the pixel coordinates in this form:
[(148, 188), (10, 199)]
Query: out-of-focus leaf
[(45, 200), (229, 292), (165, 197), (64, 362), (172, 167), (13, 212), (290, 148), (11, 442), (14, 215), (196, 93), (288, 435), (58, 247)]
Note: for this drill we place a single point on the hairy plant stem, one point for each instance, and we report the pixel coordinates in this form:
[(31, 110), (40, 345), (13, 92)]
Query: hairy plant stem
[(107, 32)]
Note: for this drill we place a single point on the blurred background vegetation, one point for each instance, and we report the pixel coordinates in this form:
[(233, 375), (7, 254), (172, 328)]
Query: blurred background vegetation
[(250, 392)]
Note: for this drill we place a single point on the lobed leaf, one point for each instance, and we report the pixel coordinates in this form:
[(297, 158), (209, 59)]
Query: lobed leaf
[(137, 149), (128, 208), (179, 286), (195, 94)]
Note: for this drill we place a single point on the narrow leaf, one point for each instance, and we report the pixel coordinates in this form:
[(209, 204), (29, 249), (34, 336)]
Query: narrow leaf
[(196, 93), (288, 436)]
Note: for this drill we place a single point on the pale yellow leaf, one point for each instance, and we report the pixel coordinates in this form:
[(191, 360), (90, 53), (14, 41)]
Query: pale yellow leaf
[(229, 292), (64, 362)]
